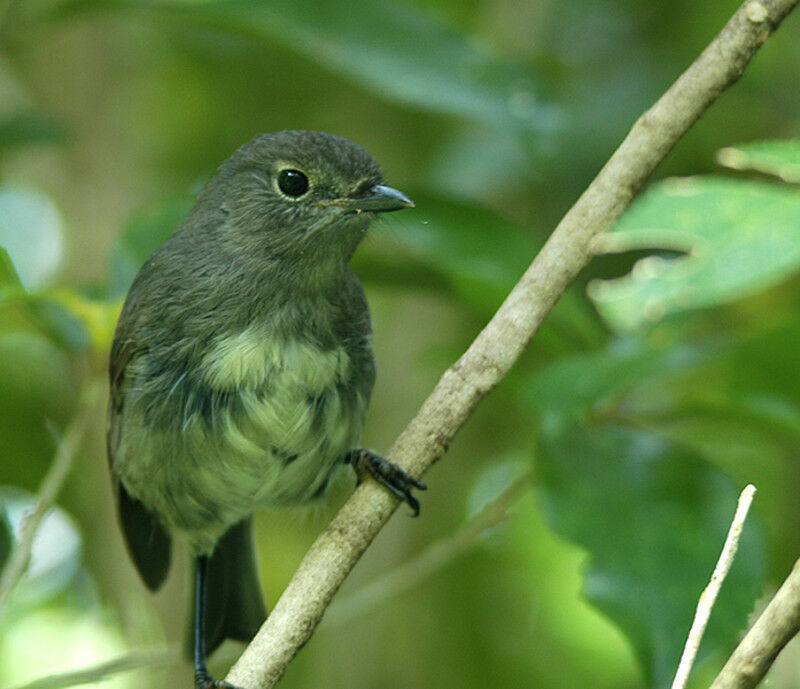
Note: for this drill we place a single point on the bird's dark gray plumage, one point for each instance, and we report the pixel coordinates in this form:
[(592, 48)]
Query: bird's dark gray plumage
[(242, 364)]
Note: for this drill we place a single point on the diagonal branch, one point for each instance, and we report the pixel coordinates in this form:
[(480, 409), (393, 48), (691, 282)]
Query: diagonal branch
[(500, 344), (776, 626)]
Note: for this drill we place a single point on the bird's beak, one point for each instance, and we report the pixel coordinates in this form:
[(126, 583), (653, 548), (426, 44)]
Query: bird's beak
[(381, 199)]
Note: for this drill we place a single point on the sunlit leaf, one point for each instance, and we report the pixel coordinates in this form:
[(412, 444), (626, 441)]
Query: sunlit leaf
[(31, 233), (738, 237), (653, 518), (779, 158), (13, 312), (9, 278)]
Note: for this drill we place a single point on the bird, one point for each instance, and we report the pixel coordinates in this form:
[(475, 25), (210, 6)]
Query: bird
[(241, 369)]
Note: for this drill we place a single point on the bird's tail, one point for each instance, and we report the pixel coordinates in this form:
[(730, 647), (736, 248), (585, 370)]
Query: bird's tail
[(234, 602)]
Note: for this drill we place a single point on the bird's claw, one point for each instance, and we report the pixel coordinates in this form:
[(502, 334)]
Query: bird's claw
[(202, 680), (388, 474)]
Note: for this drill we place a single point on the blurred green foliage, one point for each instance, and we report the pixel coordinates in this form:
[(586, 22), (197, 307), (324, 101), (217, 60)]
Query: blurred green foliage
[(736, 238), (642, 419)]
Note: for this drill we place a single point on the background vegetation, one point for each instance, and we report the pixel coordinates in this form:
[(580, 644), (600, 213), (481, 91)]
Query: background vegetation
[(644, 405)]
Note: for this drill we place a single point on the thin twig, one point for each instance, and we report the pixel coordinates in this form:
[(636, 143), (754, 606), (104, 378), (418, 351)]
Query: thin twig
[(133, 660), (709, 595), (500, 344), (434, 557), (48, 490), (774, 628)]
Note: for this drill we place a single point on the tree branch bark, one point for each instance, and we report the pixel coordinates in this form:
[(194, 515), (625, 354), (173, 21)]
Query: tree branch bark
[(776, 626), (499, 345)]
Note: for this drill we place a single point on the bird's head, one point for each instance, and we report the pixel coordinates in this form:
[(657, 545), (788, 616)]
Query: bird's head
[(301, 193)]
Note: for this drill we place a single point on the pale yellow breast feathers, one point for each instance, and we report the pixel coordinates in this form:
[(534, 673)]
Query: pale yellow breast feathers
[(252, 359)]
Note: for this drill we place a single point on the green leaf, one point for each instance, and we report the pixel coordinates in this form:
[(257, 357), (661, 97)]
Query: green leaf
[(9, 278), (146, 230), (578, 383), (395, 50), (779, 158), (653, 518), (38, 386), (63, 327), (31, 233), (13, 311), (766, 362), (737, 237), (26, 128)]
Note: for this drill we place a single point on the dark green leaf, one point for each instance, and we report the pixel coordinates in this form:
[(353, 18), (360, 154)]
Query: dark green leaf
[(738, 237), (38, 385), (63, 327), (395, 50), (751, 384), (25, 310), (6, 536), (653, 518), (28, 128), (575, 384)]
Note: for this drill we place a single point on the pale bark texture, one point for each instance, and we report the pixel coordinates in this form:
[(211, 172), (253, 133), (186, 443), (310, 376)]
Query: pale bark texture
[(776, 626)]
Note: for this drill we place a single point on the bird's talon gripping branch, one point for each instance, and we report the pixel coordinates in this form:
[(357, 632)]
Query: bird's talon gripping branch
[(206, 681), (389, 475)]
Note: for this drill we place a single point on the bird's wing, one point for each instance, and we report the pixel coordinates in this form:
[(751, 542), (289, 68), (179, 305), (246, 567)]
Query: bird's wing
[(148, 542)]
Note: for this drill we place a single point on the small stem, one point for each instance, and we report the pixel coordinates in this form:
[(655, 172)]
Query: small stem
[(133, 660), (48, 490), (709, 595)]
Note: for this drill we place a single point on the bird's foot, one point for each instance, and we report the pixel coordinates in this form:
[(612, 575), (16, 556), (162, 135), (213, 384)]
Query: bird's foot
[(397, 481), (202, 680)]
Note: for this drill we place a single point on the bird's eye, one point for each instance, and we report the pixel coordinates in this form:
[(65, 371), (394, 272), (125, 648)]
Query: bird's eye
[(292, 183)]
